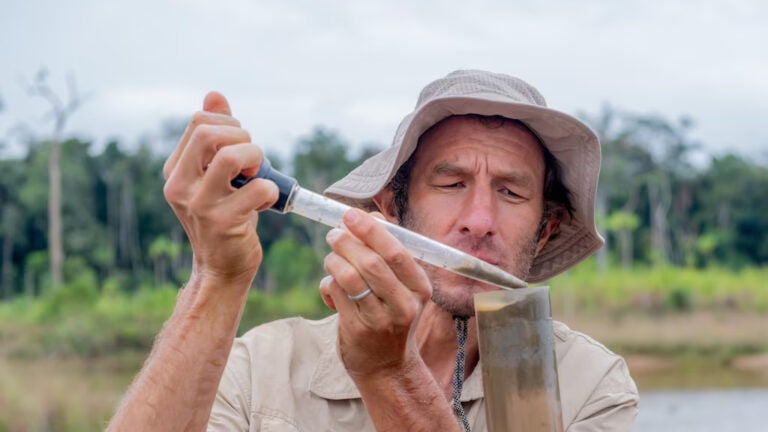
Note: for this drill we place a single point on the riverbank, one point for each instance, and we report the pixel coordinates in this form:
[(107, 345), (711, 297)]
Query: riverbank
[(63, 394), (686, 350), (720, 333)]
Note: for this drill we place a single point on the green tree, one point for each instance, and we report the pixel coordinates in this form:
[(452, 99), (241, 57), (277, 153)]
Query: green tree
[(163, 251), (320, 159), (730, 203), (291, 265), (11, 224), (623, 224), (624, 162), (669, 198), (645, 171)]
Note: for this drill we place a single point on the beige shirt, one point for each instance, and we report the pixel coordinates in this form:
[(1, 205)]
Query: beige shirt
[(287, 376)]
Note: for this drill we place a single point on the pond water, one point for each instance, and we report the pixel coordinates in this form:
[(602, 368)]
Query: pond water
[(75, 395), (703, 410)]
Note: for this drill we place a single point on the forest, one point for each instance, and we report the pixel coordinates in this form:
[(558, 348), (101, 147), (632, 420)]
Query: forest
[(655, 207)]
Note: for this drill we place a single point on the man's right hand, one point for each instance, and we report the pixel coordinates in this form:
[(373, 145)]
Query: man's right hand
[(176, 388), (219, 220)]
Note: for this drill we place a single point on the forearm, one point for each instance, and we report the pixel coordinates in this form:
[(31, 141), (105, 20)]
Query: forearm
[(176, 387), (409, 400)]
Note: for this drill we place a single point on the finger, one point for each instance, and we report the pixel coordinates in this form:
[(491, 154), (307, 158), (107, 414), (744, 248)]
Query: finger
[(348, 278), (215, 102), (203, 145), (351, 313), (389, 250), (226, 164), (325, 292), (199, 118), (356, 257), (215, 112)]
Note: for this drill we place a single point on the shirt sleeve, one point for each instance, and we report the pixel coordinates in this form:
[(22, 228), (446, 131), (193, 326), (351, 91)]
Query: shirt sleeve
[(231, 407), (612, 406)]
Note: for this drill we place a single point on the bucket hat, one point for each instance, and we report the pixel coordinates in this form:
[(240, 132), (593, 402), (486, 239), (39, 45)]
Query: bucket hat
[(570, 141)]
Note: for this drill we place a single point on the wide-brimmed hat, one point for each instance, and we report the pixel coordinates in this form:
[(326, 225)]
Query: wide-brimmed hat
[(572, 142)]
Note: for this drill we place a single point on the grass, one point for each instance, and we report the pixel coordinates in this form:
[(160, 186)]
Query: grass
[(661, 290), (80, 322), (84, 320)]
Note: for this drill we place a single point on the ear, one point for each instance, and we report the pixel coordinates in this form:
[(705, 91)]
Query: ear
[(550, 228), (385, 202)]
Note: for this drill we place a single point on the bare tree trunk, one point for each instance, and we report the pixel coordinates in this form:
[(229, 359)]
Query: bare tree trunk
[(684, 235), (29, 282), (11, 218), (161, 271), (602, 253), (627, 246), (61, 113), (129, 234), (177, 262), (659, 196), (8, 269), (113, 215), (55, 244)]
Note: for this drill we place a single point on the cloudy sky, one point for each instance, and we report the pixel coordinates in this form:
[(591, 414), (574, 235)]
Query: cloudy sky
[(357, 66)]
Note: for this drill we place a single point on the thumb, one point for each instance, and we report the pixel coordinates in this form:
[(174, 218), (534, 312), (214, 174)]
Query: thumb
[(215, 102)]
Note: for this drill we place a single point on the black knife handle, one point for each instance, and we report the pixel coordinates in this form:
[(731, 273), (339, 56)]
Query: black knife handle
[(285, 184)]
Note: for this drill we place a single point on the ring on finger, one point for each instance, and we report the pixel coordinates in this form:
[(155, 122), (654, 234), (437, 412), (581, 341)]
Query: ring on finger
[(360, 296)]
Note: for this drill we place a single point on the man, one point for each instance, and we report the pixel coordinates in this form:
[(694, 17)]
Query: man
[(481, 164)]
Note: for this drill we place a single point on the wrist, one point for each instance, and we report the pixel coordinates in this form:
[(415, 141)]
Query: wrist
[(223, 275), (406, 398), (411, 369), (216, 303), (204, 283)]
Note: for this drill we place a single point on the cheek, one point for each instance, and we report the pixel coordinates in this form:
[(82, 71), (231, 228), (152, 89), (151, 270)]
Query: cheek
[(431, 216), (521, 223)]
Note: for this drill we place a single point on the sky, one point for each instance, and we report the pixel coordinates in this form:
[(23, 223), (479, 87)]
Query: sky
[(356, 67)]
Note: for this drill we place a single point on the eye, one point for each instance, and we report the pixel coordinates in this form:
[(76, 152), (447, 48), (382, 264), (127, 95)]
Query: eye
[(511, 194), (455, 185)]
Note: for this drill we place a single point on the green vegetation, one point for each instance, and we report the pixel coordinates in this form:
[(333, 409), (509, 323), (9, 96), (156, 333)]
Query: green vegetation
[(84, 319), (662, 290), (714, 314), (657, 210), (77, 321)]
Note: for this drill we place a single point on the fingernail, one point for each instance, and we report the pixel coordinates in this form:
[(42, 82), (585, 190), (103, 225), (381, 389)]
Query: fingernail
[(326, 281), (352, 216), (332, 235)]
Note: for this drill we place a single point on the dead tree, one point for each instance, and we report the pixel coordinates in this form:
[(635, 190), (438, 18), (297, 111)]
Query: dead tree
[(60, 111)]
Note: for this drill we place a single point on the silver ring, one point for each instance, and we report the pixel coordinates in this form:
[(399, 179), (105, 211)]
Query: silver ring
[(360, 296)]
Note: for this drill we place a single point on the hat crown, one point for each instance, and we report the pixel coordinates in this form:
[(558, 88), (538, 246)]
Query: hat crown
[(463, 83)]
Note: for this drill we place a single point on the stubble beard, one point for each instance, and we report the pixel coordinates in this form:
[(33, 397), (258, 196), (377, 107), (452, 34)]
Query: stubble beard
[(462, 304)]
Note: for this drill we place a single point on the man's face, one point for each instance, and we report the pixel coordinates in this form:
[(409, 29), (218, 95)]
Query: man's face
[(479, 189)]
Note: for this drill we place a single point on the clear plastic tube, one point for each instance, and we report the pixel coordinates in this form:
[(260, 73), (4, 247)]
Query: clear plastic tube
[(517, 347), (329, 212)]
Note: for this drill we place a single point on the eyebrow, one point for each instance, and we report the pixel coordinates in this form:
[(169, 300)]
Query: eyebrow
[(511, 176)]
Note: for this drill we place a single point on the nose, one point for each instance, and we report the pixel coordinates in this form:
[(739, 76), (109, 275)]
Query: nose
[(477, 217)]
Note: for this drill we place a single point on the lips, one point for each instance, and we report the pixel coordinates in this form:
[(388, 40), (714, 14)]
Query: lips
[(487, 257)]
